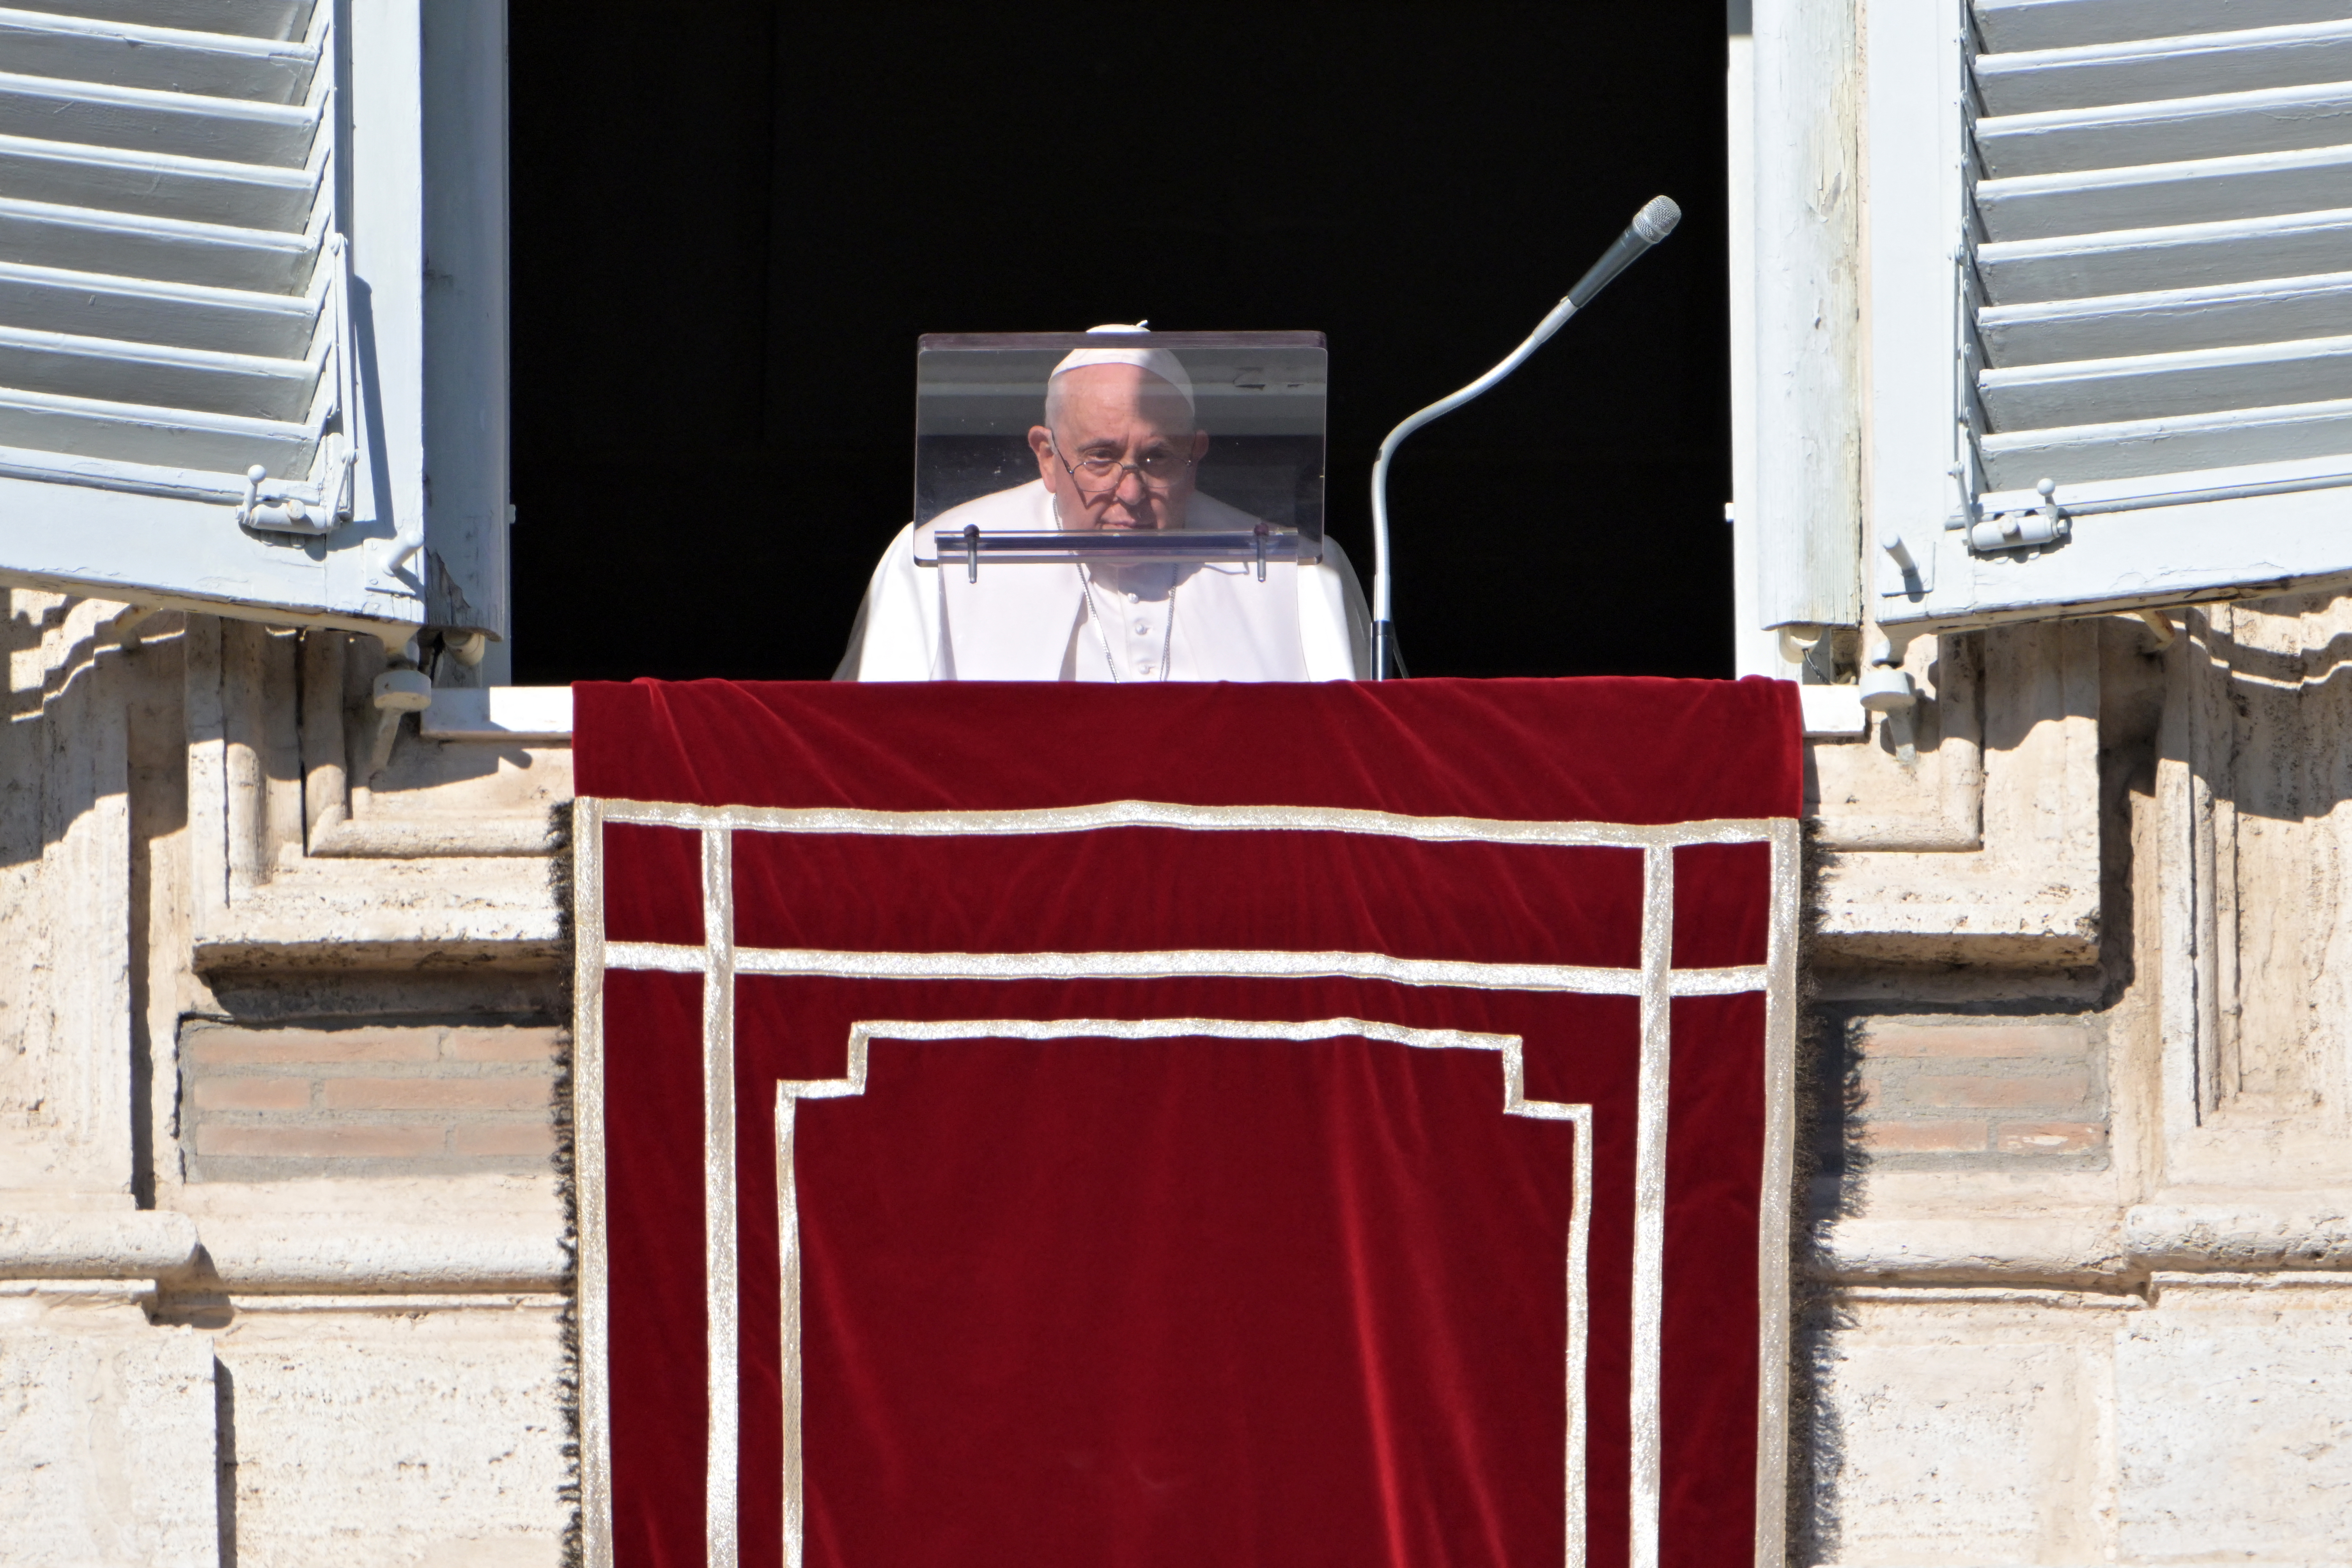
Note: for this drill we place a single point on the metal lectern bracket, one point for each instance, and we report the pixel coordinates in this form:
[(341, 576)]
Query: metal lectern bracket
[(1258, 547)]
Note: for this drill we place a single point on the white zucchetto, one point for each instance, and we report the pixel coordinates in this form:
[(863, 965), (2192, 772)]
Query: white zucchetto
[(1157, 362)]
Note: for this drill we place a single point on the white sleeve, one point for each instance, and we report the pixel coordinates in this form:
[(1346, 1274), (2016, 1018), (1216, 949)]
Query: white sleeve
[(1334, 625), (897, 635)]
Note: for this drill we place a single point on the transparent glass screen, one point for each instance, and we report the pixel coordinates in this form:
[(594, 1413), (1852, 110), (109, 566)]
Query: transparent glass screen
[(1055, 446)]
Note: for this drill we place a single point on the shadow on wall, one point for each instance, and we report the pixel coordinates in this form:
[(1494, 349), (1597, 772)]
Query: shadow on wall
[(2268, 722), (70, 702), (2257, 749)]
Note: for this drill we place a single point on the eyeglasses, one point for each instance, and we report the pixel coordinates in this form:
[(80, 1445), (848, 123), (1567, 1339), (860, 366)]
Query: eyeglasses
[(1098, 474)]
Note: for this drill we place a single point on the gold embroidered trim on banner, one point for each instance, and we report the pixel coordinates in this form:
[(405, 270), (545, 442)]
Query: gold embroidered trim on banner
[(1509, 1048), (1239, 964), (1776, 1199), (1188, 818), (596, 1370), (1650, 1194), (720, 1268)]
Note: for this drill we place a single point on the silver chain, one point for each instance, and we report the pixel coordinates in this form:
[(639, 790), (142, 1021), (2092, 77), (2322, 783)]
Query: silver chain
[(1102, 628)]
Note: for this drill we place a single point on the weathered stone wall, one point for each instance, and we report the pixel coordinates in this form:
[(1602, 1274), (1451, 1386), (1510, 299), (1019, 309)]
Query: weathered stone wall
[(2082, 1243), (281, 1264), (108, 1429), (2205, 1419), (431, 1433)]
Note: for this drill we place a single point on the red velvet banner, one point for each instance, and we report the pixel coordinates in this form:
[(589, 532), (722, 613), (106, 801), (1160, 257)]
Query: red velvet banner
[(1259, 1126)]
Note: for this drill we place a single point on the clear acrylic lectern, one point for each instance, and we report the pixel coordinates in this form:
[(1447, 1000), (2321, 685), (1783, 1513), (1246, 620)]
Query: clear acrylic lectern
[(1118, 444)]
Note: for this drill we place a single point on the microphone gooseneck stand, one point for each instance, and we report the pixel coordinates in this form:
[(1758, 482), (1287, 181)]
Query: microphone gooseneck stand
[(1652, 223)]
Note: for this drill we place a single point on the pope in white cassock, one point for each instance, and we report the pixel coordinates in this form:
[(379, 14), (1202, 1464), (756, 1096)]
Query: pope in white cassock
[(1120, 448)]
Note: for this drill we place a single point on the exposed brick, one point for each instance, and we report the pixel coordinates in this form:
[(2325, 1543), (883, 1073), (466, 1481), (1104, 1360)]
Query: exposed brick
[(352, 1140), (2049, 1137), (1924, 1137), (515, 1092), (499, 1045), (534, 1139), (1976, 1037), (253, 1093), (239, 1047), (1993, 1090)]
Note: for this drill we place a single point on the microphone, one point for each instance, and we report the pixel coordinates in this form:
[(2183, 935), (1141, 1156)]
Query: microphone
[(1652, 223)]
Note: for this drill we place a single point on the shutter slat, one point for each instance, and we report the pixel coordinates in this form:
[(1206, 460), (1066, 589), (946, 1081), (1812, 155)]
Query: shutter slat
[(214, 254), (211, 64), (2210, 190), (2016, 25), (223, 444), (2133, 261), (2159, 385), (277, 19), (140, 310), (197, 190), (2145, 70), (2145, 448), (199, 380), (97, 114), (2177, 131), (2168, 320)]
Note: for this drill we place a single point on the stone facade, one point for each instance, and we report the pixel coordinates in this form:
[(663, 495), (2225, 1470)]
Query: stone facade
[(282, 1262), (282, 1258), (2081, 1236)]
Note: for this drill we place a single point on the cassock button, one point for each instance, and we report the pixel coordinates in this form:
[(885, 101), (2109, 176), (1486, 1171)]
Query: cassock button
[(1142, 628), (1143, 669)]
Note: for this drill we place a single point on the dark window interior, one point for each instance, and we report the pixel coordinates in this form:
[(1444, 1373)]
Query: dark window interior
[(732, 219)]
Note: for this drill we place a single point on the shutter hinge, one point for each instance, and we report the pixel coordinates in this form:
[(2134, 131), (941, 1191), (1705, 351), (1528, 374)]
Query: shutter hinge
[(2043, 528), (291, 514)]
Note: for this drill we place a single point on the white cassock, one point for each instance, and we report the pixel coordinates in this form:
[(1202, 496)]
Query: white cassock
[(1144, 621)]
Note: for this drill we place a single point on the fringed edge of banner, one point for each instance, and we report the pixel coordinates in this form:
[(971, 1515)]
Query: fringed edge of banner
[(562, 884)]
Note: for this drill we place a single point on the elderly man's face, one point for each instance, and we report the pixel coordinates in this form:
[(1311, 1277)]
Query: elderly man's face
[(1121, 452)]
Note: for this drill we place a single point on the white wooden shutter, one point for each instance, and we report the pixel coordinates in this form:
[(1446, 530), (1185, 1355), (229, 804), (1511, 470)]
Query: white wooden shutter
[(2139, 213), (214, 217)]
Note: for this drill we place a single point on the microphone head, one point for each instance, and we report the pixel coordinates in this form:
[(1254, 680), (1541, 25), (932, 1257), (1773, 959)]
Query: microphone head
[(1657, 219)]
